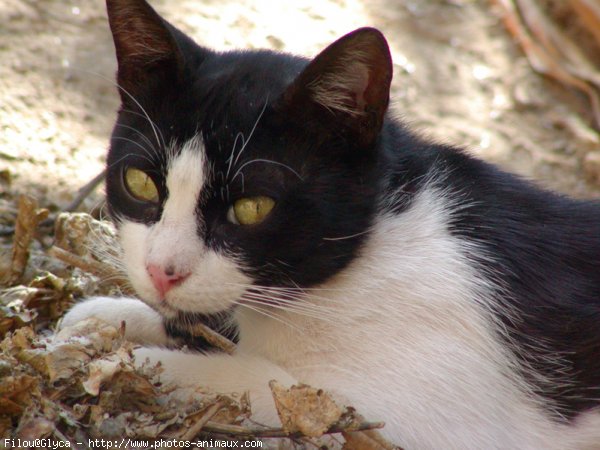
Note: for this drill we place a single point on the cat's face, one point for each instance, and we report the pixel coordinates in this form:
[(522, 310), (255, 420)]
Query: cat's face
[(230, 173)]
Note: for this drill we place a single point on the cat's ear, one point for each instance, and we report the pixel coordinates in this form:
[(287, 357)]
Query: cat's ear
[(144, 43), (347, 86)]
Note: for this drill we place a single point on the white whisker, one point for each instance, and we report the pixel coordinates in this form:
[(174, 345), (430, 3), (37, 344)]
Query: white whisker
[(147, 156), (154, 127), (244, 144), (307, 309), (138, 132), (237, 136), (267, 161), (271, 315), (341, 238)]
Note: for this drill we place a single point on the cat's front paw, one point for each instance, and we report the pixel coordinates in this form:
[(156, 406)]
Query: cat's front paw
[(143, 325), (220, 373)]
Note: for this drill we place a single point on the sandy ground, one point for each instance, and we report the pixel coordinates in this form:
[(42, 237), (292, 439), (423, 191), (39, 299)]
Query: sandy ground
[(458, 78)]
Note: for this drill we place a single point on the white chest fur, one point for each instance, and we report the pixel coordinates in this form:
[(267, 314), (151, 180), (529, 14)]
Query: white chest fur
[(407, 336)]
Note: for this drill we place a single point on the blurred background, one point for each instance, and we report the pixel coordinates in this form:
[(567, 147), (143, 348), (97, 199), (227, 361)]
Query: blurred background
[(463, 74)]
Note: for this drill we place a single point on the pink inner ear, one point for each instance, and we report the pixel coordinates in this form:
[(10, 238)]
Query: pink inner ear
[(345, 88), (347, 83)]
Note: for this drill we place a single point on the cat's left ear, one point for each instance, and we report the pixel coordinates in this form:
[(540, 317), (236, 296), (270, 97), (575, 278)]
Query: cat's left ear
[(347, 86), (146, 48)]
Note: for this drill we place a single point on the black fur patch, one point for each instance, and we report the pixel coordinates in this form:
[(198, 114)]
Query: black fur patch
[(542, 249)]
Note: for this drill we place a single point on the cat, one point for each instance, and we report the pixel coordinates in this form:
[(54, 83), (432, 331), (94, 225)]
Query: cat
[(428, 289)]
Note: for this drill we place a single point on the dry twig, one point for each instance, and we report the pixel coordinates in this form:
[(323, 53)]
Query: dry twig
[(212, 411), (90, 266), (236, 431), (212, 337), (28, 218)]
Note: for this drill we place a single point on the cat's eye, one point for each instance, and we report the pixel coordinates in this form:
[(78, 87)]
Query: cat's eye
[(140, 185), (250, 210)]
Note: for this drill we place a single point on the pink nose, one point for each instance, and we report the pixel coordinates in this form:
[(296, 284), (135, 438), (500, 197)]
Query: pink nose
[(165, 278)]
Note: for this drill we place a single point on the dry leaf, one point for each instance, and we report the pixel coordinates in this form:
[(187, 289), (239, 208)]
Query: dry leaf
[(550, 51), (78, 233), (16, 393), (14, 317), (36, 428), (91, 332), (305, 409), (102, 370)]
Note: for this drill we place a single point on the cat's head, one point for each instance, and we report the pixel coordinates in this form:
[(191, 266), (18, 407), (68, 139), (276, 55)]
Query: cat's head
[(228, 172)]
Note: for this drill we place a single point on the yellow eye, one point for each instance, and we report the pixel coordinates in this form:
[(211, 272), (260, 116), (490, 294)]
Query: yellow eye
[(250, 210), (140, 185)]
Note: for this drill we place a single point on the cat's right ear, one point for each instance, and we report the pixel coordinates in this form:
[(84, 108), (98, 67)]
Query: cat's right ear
[(345, 89), (146, 48)]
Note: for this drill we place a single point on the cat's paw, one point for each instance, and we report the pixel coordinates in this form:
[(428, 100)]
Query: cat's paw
[(219, 373), (143, 325)]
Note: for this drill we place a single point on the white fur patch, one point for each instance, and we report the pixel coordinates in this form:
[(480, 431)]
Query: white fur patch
[(215, 281), (406, 337)]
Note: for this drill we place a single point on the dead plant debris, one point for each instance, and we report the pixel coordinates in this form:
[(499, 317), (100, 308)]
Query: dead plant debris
[(81, 384), (567, 50), (28, 217)]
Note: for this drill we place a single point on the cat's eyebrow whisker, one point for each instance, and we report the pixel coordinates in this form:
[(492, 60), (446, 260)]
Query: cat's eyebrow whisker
[(115, 163), (243, 183), (341, 238), (267, 161), (139, 133), (161, 143), (237, 136), (153, 125), (245, 143), (155, 129), (148, 155)]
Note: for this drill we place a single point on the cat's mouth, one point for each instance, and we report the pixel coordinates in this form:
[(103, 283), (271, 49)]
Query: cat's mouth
[(182, 328)]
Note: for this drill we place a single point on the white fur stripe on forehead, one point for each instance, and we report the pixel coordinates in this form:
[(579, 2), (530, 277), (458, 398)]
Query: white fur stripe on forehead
[(186, 176)]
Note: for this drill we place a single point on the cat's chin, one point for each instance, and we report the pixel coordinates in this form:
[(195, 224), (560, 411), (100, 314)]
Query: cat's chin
[(191, 318), (173, 314)]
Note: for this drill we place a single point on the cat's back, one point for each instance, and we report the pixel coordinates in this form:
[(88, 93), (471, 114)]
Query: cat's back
[(534, 254)]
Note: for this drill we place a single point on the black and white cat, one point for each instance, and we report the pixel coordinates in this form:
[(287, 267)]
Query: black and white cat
[(428, 289)]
